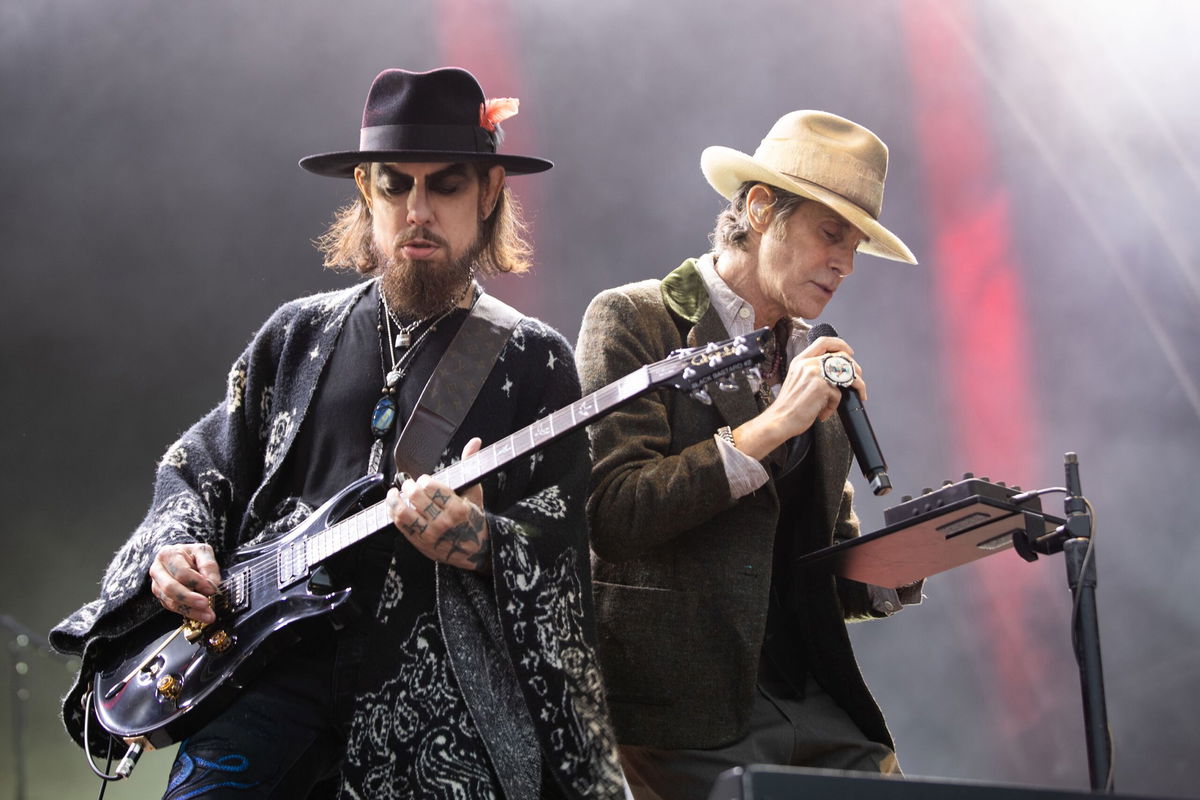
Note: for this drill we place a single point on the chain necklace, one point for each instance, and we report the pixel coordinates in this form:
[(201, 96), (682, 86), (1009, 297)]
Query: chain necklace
[(383, 416), (404, 333), (774, 350)]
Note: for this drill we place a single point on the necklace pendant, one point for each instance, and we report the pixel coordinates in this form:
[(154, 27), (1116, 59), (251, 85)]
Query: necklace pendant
[(403, 339), (383, 417), (375, 460)]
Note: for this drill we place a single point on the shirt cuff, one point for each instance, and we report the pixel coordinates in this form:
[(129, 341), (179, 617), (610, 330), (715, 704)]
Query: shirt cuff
[(745, 474)]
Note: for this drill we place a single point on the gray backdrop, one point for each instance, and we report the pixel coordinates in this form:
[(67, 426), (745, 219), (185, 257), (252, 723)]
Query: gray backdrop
[(153, 215)]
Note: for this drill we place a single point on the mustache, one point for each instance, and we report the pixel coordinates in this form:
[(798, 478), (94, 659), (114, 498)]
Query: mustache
[(419, 232)]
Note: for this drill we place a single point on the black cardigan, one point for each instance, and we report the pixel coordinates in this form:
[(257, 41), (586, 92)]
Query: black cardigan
[(529, 629)]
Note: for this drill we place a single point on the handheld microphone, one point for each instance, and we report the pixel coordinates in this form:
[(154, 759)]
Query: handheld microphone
[(858, 428)]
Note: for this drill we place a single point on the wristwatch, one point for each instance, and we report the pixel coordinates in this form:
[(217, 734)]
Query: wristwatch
[(837, 369)]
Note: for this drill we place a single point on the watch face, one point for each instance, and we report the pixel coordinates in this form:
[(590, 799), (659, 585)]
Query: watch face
[(838, 370)]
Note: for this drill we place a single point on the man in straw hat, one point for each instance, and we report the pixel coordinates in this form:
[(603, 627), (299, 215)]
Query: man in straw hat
[(470, 671), (713, 654)]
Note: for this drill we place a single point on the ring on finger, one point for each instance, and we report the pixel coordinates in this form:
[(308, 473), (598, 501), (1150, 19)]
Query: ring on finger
[(837, 370)]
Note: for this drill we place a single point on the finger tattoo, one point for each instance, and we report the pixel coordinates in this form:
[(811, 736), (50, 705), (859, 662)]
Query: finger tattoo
[(432, 511), (439, 497)]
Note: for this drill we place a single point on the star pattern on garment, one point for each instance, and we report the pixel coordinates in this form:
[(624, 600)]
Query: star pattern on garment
[(550, 363), (314, 353), (507, 387)]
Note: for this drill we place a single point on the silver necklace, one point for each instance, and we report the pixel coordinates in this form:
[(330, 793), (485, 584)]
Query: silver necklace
[(383, 416)]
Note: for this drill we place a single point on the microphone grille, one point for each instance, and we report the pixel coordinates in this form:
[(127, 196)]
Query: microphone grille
[(819, 330)]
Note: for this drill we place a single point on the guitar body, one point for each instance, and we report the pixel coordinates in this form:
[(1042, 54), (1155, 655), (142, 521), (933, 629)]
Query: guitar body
[(130, 699)]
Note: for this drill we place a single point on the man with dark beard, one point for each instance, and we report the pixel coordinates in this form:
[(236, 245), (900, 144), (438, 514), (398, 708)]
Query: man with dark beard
[(470, 671)]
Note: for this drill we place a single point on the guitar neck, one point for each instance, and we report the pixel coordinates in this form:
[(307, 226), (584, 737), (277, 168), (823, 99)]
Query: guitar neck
[(495, 456)]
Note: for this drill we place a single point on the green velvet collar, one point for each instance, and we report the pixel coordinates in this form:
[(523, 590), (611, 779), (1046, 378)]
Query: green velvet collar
[(684, 293)]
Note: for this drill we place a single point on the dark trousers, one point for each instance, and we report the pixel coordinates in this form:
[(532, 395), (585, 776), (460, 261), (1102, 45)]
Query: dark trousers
[(284, 735), (786, 728)]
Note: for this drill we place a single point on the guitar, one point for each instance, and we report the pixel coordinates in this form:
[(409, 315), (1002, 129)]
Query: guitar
[(161, 682)]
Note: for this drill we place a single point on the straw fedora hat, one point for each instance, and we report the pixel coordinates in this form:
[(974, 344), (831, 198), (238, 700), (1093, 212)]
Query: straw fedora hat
[(440, 115), (825, 158)]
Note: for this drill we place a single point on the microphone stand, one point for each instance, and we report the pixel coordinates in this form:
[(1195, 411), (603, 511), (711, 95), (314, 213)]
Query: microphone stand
[(1079, 550), (1074, 539)]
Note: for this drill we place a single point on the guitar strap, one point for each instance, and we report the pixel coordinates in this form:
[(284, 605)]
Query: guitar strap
[(454, 385)]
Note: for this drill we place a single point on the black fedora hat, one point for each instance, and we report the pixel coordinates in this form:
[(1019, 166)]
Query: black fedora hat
[(423, 116)]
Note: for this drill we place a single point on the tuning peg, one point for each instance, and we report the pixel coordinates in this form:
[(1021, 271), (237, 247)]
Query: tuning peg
[(713, 351), (727, 385), (702, 396)]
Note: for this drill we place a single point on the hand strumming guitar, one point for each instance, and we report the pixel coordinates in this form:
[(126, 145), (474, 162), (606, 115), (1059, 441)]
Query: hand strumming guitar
[(183, 577)]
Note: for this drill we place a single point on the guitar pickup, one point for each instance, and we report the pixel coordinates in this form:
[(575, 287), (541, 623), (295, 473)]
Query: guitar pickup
[(293, 563)]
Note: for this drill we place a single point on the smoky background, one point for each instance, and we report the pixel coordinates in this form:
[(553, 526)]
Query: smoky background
[(153, 216)]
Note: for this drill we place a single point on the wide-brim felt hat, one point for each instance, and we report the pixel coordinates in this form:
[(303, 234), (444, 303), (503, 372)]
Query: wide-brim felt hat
[(822, 157), (435, 116)]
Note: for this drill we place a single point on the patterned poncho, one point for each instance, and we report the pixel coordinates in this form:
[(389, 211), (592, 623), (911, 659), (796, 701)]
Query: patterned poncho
[(521, 640)]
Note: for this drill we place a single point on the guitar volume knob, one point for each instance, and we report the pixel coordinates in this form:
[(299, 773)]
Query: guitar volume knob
[(220, 641), (170, 687)]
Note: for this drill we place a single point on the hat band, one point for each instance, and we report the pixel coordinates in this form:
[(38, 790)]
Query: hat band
[(845, 174), (850, 201), (439, 138)]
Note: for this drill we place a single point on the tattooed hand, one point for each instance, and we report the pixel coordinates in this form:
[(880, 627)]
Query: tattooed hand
[(445, 526), (183, 577)]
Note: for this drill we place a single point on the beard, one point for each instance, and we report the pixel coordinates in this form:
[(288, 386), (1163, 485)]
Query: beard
[(419, 288)]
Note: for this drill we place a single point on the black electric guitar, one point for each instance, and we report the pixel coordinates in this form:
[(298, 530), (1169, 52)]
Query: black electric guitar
[(162, 681)]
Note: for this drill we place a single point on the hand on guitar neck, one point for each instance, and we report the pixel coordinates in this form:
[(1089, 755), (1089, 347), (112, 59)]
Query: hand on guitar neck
[(442, 525)]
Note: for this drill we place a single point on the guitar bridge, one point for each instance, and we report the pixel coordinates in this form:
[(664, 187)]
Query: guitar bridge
[(234, 595)]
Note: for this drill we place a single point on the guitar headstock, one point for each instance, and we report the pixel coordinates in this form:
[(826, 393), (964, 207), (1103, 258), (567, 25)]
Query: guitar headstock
[(691, 369)]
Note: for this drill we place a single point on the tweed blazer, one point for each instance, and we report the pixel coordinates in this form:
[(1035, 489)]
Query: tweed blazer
[(681, 571)]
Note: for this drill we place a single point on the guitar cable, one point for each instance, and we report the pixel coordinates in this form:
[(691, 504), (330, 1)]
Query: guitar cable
[(124, 766)]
